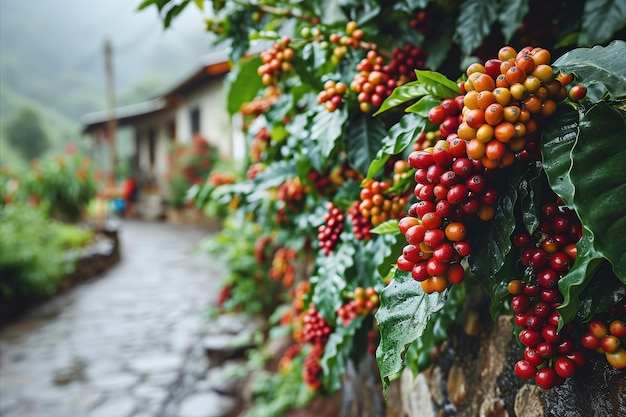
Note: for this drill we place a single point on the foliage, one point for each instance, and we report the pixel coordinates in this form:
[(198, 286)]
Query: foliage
[(189, 165), (34, 251), (26, 134), (63, 185), (329, 141)]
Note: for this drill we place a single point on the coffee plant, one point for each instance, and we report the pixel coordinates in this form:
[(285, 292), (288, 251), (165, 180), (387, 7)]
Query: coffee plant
[(413, 151)]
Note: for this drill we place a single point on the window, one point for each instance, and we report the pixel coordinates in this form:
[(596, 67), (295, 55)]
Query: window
[(171, 130), (195, 120), (152, 146)]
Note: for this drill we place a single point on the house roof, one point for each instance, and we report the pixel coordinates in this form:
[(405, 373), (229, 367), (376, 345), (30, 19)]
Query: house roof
[(212, 65)]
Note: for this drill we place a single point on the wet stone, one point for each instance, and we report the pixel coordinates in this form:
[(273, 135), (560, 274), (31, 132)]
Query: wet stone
[(116, 382), (206, 405), (156, 363), (118, 407)]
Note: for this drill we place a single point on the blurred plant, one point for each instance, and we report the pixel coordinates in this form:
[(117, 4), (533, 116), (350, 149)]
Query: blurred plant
[(34, 250), (249, 255), (190, 164), (26, 134), (63, 185)]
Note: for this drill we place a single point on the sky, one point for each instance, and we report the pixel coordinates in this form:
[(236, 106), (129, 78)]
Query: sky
[(51, 38)]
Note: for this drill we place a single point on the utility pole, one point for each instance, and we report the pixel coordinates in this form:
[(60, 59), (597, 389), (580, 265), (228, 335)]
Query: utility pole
[(112, 117)]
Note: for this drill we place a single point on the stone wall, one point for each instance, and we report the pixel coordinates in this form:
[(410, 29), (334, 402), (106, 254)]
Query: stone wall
[(472, 375)]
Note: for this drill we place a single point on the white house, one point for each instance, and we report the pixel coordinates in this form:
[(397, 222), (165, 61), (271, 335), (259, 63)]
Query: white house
[(197, 105)]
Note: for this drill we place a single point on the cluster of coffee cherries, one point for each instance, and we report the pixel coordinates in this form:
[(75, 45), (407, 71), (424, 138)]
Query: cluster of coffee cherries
[(376, 80), (364, 301), (351, 39), (262, 249), (547, 255), (378, 207), (292, 192), (503, 100), (329, 232), (452, 190), (284, 266), (332, 95), (217, 178), (260, 142), (447, 115), (312, 368), (316, 330), (361, 225), (608, 336), (422, 22), (276, 61)]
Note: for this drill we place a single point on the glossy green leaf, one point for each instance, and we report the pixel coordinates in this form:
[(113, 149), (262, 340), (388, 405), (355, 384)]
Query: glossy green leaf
[(604, 291), (579, 276), (337, 352), (439, 42), (558, 139), (529, 194), (390, 227), (601, 19), (491, 242), (437, 84), (423, 105), (598, 174), (404, 312), (395, 246), (511, 16), (474, 23), (244, 84), (403, 94), (401, 135), (362, 140), (606, 65), (327, 130), (330, 280)]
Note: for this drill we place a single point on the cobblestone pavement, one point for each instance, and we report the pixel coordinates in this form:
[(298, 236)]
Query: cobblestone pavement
[(124, 344)]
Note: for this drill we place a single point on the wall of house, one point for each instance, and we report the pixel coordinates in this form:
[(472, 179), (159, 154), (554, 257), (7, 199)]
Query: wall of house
[(157, 126), (215, 123)]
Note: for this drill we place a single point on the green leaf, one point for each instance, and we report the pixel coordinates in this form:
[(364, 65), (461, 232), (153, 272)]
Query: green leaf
[(598, 174), (603, 292), (474, 23), (601, 19), (529, 194), (330, 280), (402, 317), (423, 106), (390, 227), (606, 65), (403, 94), (337, 352), (558, 139), (492, 243), (362, 140), (439, 42), (327, 129), (437, 84), (395, 249), (579, 276), (511, 16), (401, 135), (244, 84)]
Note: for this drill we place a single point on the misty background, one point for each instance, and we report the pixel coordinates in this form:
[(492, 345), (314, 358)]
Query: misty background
[(52, 59)]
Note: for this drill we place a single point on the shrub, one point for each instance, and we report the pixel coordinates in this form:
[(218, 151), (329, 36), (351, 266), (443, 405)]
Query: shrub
[(34, 251)]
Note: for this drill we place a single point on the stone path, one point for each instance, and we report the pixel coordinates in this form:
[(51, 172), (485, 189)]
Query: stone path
[(128, 344)]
